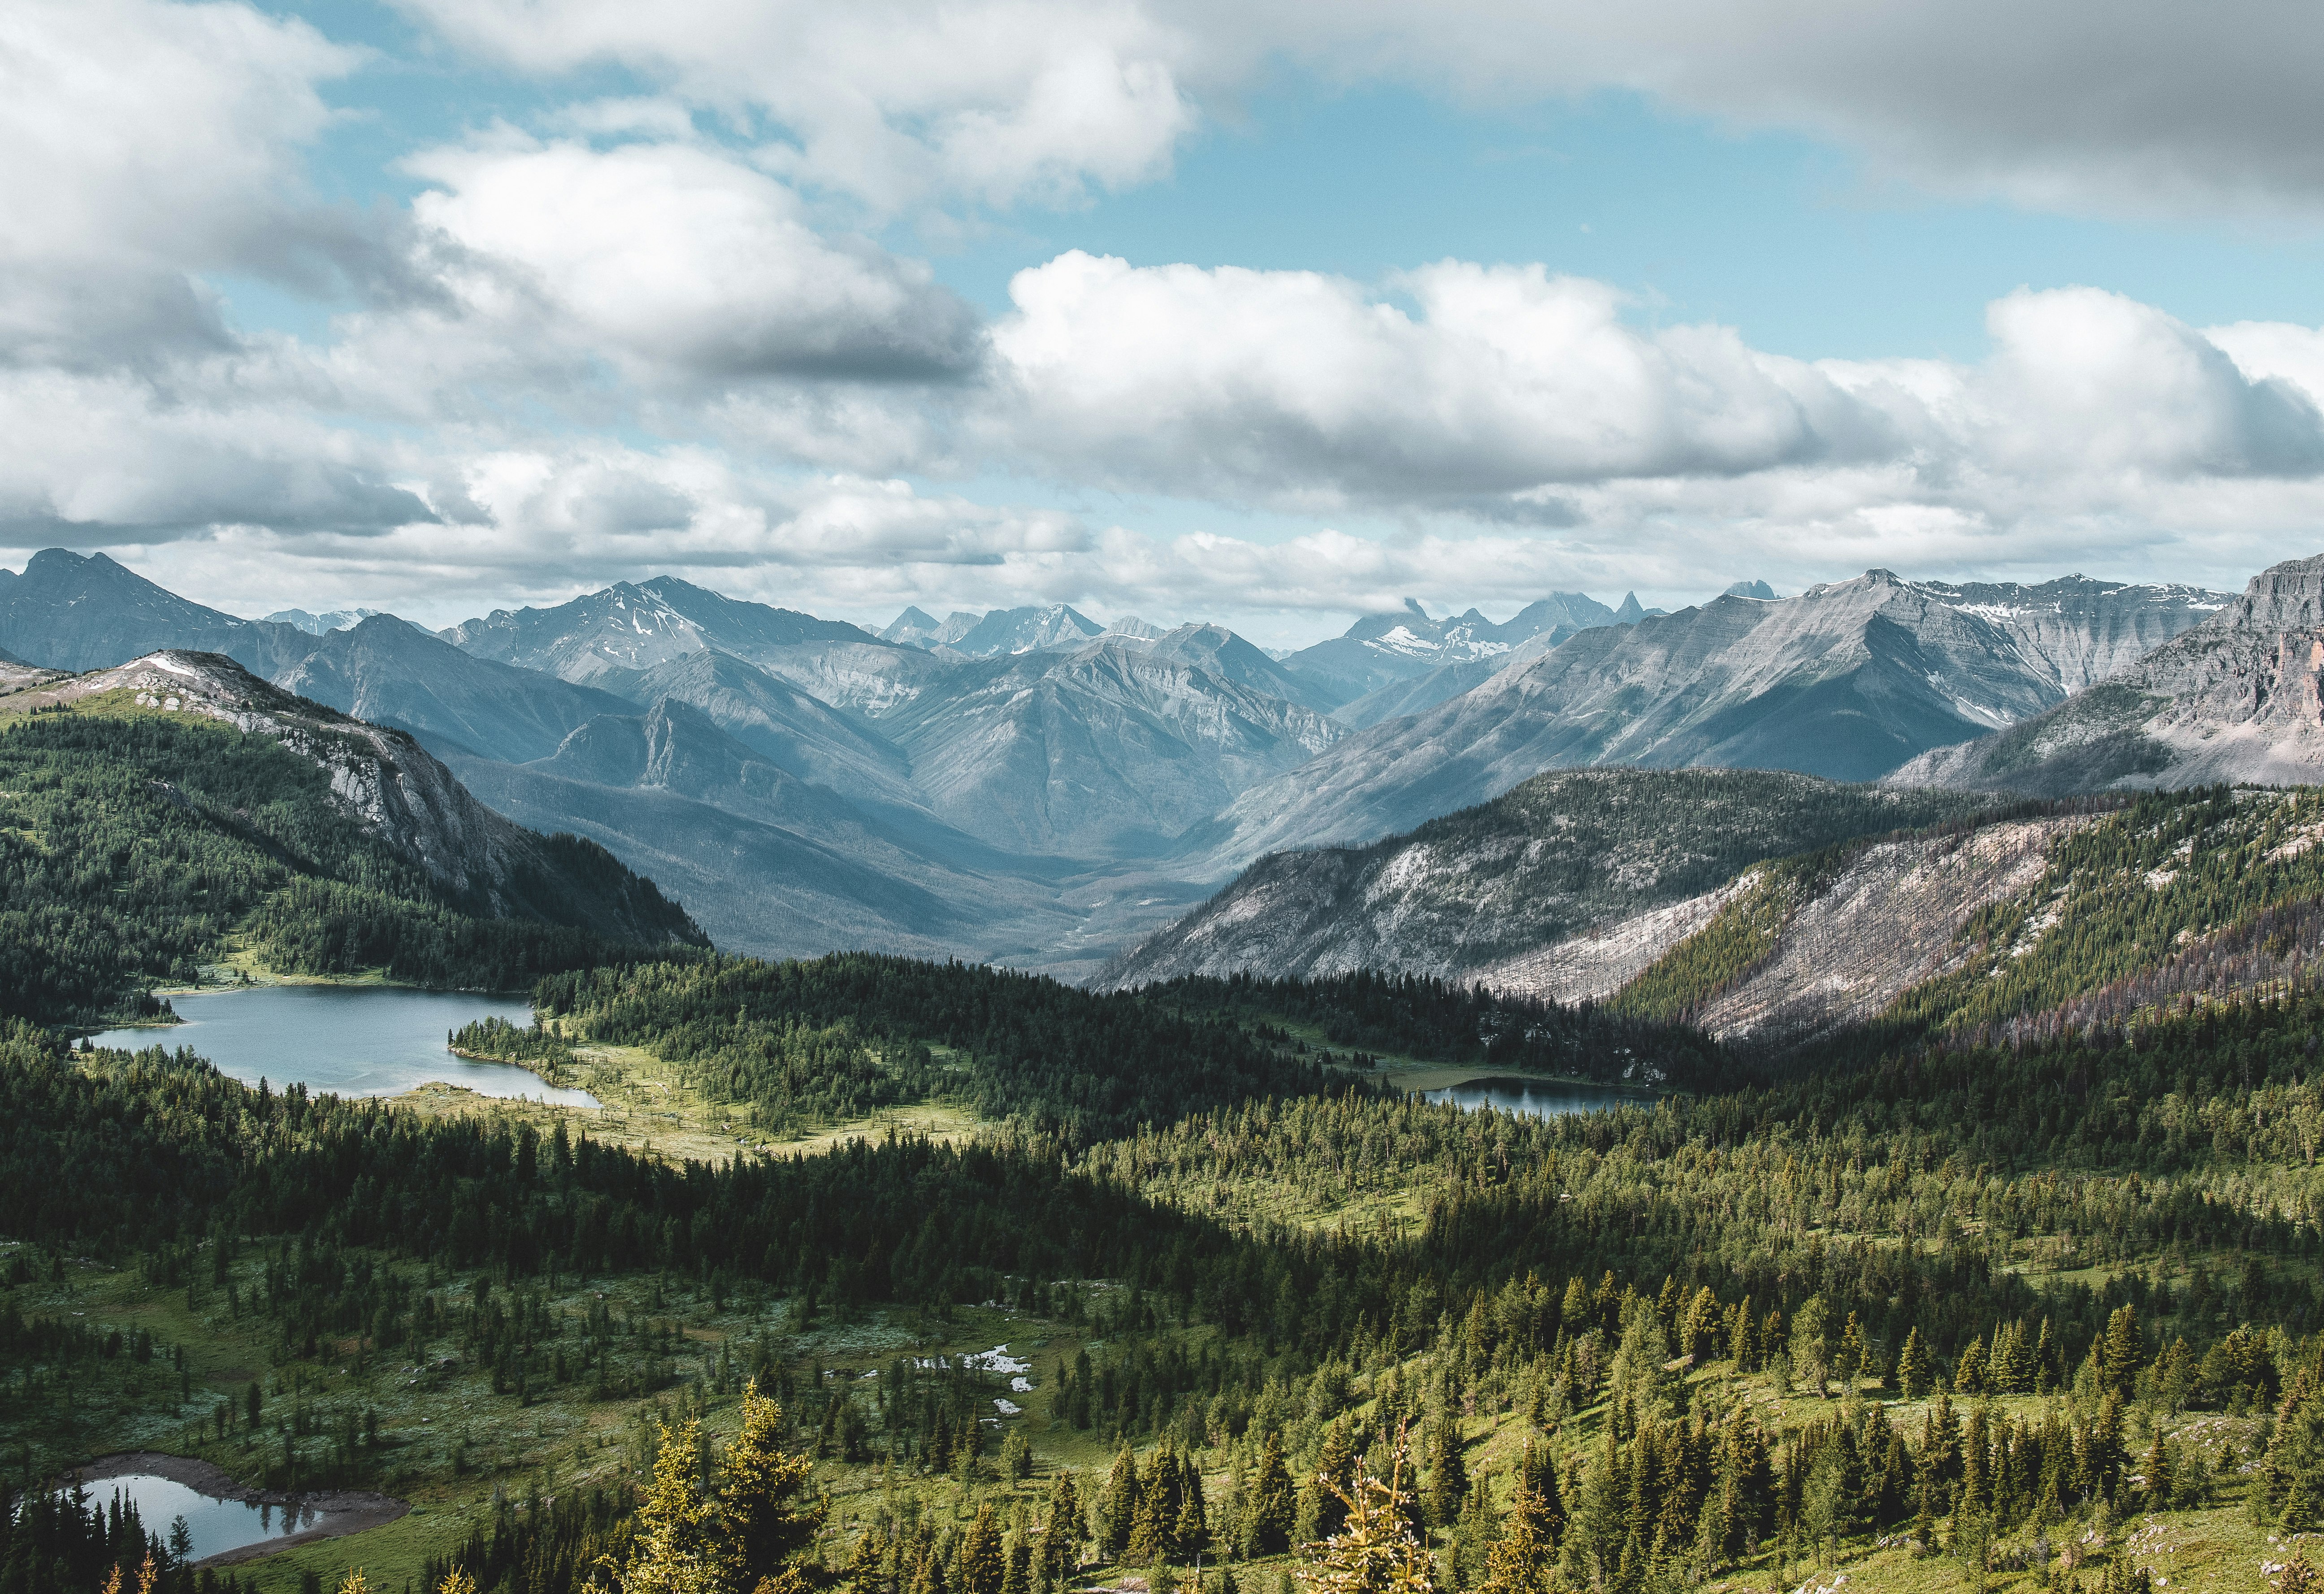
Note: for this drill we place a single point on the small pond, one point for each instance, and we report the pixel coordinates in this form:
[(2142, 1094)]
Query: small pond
[(1536, 1098), (352, 1040), (215, 1526)]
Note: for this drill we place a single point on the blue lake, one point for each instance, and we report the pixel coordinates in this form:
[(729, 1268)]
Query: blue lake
[(1537, 1098), (215, 1525), (352, 1040)]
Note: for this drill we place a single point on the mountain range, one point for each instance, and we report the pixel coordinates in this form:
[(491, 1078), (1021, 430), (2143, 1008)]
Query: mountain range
[(2235, 699), (1845, 681), (1029, 787)]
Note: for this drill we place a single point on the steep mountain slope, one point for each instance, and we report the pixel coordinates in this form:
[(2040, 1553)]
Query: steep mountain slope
[(1107, 752), (73, 611), (768, 862), (1222, 655), (157, 816), (2015, 930), (2235, 699), (391, 673), (1559, 853), (1845, 681), (794, 730), (483, 864), (636, 626), (1382, 650), (1401, 700), (2076, 630)]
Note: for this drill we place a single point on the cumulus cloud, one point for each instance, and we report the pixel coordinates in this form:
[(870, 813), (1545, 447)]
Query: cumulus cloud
[(2142, 105), (674, 259), (96, 459), (899, 103), (1264, 382), (145, 142), (1506, 388)]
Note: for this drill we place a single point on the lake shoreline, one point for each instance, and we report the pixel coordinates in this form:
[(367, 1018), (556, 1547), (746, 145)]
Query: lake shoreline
[(342, 1511)]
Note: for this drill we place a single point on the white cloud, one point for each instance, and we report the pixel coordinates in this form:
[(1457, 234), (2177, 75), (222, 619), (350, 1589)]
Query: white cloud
[(142, 142), (95, 459), (902, 104), (1508, 388), (671, 258), (1299, 385), (2139, 106)]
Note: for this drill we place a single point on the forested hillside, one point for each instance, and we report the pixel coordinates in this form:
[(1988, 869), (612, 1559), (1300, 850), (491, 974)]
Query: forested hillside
[(138, 844), (1986, 1299), (2060, 913)]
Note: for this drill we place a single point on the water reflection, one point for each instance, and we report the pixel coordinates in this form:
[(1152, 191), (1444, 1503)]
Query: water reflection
[(351, 1040), (1538, 1098)]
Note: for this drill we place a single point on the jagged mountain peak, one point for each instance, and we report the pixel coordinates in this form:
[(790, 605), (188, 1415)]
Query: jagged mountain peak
[(2236, 698), (321, 625)]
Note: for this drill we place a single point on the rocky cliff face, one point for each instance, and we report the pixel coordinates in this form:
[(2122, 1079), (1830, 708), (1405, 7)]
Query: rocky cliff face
[(2236, 699), (483, 863)]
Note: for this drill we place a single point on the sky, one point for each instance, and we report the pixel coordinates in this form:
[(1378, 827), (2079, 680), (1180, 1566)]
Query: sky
[(1274, 314)]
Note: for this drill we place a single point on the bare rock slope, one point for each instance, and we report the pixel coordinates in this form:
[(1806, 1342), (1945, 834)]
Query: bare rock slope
[(2236, 699), (1541, 864)]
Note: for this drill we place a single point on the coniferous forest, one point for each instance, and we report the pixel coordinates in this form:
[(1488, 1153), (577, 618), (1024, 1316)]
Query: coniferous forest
[(1008, 1287)]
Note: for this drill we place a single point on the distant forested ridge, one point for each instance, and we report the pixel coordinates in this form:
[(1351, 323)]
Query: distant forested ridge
[(835, 1036), (136, 846)]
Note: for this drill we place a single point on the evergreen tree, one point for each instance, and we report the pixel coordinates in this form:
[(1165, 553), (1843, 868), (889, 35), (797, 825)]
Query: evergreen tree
[(1378, 1549), (1912, 1367), (1273, 1508), (1526, 1558), (677, 1548), (1335, 1474), (1448, 1473), (765, 1527), (1121, 1492), (984, 1563)]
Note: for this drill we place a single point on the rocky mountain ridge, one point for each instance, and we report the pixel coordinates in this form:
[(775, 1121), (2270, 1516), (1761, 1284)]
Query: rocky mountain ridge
[(484, 862), (2234, 699), (1846, 681)]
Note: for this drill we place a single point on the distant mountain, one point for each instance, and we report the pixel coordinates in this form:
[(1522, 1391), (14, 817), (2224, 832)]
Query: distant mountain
[(1385, 650), (1138, 629), (1845, 681), (1027, 630), (1751, 589), (1108, 752), (77, 612), (766, 860), (636, 625), (793, 730), (2234, 699), (316, 625), (914, 628), (391, 673), (1558, 853), (997, 632)]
